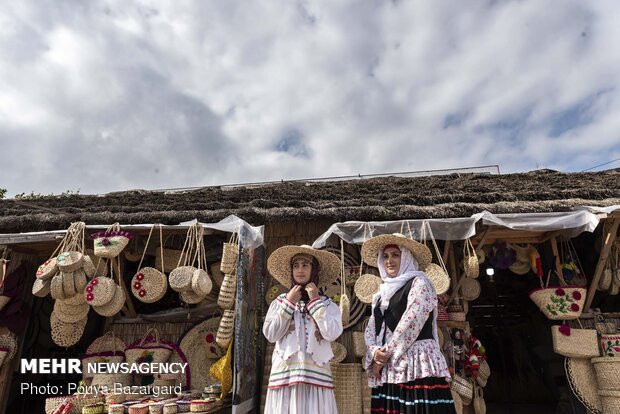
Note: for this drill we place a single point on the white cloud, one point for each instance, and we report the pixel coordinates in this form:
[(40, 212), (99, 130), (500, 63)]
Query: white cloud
[(112, 95)]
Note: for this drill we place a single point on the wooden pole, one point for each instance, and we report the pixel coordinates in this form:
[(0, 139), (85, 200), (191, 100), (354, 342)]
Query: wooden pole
[(608, 239)]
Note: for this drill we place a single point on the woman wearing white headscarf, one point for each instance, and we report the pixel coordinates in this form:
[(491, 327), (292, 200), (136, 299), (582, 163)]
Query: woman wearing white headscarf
[(406, 369)]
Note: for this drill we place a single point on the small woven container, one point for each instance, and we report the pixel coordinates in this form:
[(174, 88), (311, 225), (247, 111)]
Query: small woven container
[(41, 287), (456, 313), (100, 291), (70, 313), (348, 387), (114, 306), (366, 286), (80, 280), (180, 278), (171, 408), (225, 329), (116, 409), (56, 291), (581, 343), (110, 244), (439, 277), (470, 260), (228, 292), (359, 343), (93, 409), (230, 255), (607, 372), (139, 409), (610, 345), (201, 282), (183, 406), (48, 269), (191, 297), (88, 266), (470, 289), (197, 406), (69, 261), (68, 284), (610, 400), (156, 408), (149, 285), (340, 352), (464, 388), (559, 302)]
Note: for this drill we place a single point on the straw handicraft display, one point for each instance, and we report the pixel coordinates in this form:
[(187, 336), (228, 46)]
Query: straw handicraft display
[(149, 284), (180, 279), (582, 380), (470, 260), (230, 254), (201, 351)]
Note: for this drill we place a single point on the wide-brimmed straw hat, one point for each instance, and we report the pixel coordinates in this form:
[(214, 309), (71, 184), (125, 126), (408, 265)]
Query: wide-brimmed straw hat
[(279, 264), (372, 247)]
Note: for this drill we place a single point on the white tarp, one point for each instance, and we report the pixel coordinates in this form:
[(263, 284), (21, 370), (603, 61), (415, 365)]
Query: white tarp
[(571, 223), (252, 237)]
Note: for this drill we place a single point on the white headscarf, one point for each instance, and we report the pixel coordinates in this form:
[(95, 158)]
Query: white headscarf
[(408, 270)]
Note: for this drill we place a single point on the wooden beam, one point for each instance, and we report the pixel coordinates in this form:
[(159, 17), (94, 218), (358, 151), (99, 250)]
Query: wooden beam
[(446, 250), (558, 259), (608, 241)]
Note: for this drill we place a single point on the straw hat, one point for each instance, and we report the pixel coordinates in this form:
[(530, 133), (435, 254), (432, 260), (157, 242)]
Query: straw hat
[(372, 247), (279, 264), (582, 380)]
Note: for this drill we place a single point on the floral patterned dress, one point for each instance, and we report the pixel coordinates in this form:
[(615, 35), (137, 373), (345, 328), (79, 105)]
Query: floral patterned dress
[(416, 377)]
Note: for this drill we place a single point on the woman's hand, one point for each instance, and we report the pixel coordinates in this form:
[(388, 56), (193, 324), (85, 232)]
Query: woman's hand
[(376, 369), (381, 356), (313, 291), (294, 294)]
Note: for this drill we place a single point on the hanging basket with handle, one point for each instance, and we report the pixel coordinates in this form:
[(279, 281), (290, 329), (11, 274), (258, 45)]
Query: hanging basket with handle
[(559, 302)]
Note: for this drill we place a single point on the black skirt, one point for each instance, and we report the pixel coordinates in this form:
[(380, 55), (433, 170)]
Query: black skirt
[(422, 396)]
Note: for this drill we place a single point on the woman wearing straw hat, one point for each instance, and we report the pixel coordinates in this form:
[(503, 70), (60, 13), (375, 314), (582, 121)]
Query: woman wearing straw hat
[(406, 369), (302, 323)]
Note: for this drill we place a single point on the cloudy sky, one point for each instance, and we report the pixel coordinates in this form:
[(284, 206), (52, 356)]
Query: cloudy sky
[(104, 96)]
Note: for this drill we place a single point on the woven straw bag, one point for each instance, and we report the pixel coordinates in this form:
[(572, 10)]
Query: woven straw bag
[(437, 273), (470, 260), (607, 372), (110, 243), (228, 292), (480, 406), (230, 254), (484, 371), (41, 288), (107, 348), (559, 302), (114, 306), (225, 329), (348, 387), (48, 269), (339, 350), (148, 349), (470, 289), (580, 343), (359, 343), (100, 291), (463, 387), (180, 278), (603, 326), (222, 371), (610, 400), (69, 261), (366, 286), (149, 284), (610, 345), (201, 282)]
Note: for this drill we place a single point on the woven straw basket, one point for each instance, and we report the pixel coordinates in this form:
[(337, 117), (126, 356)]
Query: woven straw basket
[(47, 269), (201, 282), (340, 352), (110, 243), (610, 345), (439, 277), (348, 387), (464, 388), (610, 400), (581, 343), (359, 343), (41, 288), (148, 347), (607, 372), (180, 278), (69, 261), (559, 302), (366, 286), (470, 289), (470, 260), (114, 306), (100, 291), (78, 401), (226, 328), (228, 291), (230, 255), (149, 285)]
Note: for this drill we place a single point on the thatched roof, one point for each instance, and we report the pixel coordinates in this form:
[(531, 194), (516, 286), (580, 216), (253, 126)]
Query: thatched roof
[(386, 198)]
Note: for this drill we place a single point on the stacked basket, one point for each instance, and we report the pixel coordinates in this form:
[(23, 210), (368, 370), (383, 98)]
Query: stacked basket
[(608, 378), (228, 291)]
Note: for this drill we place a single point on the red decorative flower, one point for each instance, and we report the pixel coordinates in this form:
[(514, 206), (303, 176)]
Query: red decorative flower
[(574, 307), (137, 285), (209, 338), (140, 276), (94, 282), (560, 292), (90, 297), (576, 295), (105, 241), (142, 293), (565, 329), (89, 289)]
